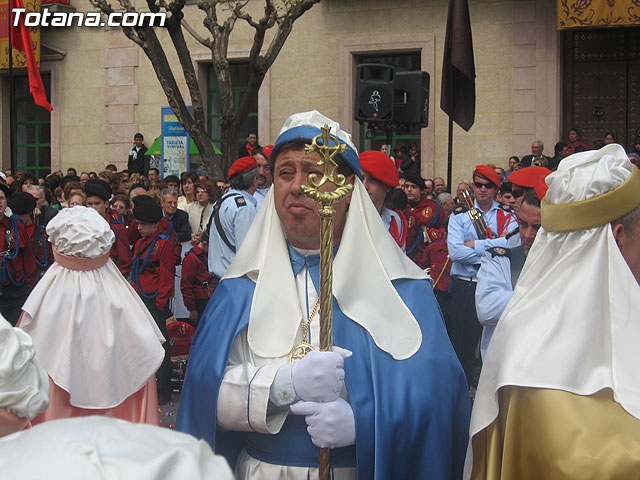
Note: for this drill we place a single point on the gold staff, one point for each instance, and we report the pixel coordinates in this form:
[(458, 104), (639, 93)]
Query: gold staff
[(328, 150)]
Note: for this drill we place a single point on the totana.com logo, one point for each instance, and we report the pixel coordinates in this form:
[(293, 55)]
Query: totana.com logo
[(87, 19)]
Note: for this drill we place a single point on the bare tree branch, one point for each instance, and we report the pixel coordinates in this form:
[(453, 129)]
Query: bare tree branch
[(204, 41)]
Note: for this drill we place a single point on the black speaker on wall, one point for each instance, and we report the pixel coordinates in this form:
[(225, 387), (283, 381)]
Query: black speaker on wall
[(411, 98), (374, 92)]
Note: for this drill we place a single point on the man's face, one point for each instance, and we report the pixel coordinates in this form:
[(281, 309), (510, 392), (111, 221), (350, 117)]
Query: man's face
[(448, 205), (84, 178), (98, 204), (629, 245), (399, 154), (3, 203), (483, 190), (507, 199), (429, 185), (376, 190), (529, 221), (39, 196), (536, 149), (137, 141), (169, 205), (438, 185), (462, 187), (146, 229), (573, 136), (517, 192), (298, 214), (412, 191), (265, 179), (125, 176), (174, 185), (252, 139), (500, 173), (153, 175)]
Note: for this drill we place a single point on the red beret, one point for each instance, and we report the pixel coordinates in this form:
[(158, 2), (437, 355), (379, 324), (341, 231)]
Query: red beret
[(528, 177), (267, 150), (241, 165), (380, 167), (541, 188), (488, 173)]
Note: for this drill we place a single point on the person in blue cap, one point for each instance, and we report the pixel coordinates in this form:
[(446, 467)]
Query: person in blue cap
[(390, 400)]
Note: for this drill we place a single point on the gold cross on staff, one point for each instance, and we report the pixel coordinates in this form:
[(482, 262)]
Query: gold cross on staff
[(327, 153)]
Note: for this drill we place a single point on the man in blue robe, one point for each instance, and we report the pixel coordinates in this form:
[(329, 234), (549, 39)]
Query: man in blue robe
[(391, 400)]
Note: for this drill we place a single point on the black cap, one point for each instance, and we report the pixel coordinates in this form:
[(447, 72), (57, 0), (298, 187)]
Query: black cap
[(22, 202), (98, 188), (172, 179), (414, 177), (146, 209)]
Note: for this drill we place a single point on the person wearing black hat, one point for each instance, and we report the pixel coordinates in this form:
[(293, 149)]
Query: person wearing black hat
[(98, 195), (17, 263), (23, 207), (152, 276), (425, 218)]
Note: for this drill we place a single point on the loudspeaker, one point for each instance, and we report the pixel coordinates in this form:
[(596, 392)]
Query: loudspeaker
[(411, 98), (374, 93)]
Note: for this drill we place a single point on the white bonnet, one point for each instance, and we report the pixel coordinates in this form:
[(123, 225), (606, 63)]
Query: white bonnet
[(80, 232)]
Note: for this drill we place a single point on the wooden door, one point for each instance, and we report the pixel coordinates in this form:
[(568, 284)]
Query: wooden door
[(601, 80)]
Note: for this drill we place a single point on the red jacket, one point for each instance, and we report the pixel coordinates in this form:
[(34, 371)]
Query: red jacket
[(435, 256), (422, 218), (164, 226), (120, 251), (154, 269), (42, 251), (22, 267), (196, 282)]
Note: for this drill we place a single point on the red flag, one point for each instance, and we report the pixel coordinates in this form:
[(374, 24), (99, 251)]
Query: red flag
[(21, 40)]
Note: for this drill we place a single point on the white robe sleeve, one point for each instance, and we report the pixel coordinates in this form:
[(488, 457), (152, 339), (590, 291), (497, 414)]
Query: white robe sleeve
[(243, 401)]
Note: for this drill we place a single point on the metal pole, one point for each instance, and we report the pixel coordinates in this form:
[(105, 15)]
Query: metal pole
[(12, 104)]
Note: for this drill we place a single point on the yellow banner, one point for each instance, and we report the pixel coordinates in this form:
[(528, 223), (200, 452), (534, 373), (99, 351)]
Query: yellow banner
[(598, 13), (19, 59)]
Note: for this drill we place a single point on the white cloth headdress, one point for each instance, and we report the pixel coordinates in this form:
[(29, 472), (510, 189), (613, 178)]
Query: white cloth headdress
[(99, 448), (24, 386), (368, 259), (90, 329), (572, 323)]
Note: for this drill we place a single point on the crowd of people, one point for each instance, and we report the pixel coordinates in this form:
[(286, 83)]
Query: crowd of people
[(424, 279)]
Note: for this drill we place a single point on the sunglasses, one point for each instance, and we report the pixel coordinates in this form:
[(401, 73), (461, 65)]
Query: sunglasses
[(488, 186), (201, 190), (517, 193)]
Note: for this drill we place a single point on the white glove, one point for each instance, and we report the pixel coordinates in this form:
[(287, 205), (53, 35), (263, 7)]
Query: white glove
[(319, 376), (330, 424)]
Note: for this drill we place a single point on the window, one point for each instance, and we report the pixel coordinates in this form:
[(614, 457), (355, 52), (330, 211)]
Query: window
[(32, 135), (240, 80), (403, 62)]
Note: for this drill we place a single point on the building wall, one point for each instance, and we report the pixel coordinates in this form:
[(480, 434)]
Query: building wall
[(107, 88)]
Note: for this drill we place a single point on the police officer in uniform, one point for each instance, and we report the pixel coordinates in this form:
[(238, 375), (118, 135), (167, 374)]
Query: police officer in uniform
[(467, 241), (232, 215), (17, 263), (501, 267)]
